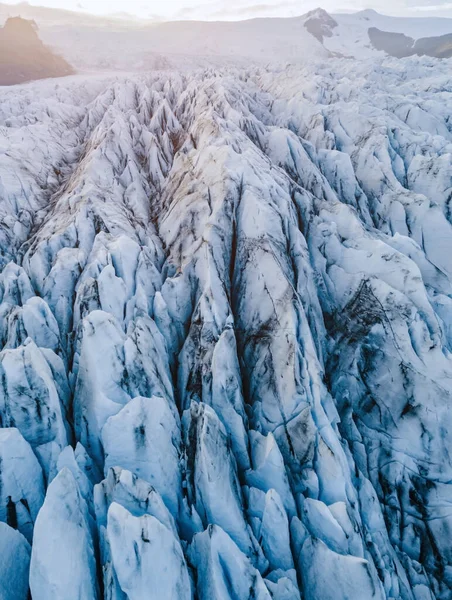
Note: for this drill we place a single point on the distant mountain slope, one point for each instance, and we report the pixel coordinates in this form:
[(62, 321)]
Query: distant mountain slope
[(184, 43), (46, 17), (23, 57), (90, 42), (400, 45), (368, 33)]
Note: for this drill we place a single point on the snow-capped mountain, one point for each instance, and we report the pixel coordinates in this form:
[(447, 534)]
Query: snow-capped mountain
[(91, 43), (368, 33), (226, 326)]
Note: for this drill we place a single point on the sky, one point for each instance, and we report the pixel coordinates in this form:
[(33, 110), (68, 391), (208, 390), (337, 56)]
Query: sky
[(242, 9)]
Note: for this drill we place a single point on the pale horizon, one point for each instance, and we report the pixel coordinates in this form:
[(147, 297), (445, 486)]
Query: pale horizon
[(236, 9)]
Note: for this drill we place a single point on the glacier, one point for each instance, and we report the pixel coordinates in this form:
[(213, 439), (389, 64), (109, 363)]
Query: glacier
[(226, 334)]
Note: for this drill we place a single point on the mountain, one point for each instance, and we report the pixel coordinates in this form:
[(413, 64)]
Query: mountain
[(184, 44), (368, 33), (91, 43), (400, 45), (23, 56), (226, 333), (47, 17)]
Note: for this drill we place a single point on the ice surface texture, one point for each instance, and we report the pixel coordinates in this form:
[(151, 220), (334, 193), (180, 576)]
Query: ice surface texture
[(226, 325)]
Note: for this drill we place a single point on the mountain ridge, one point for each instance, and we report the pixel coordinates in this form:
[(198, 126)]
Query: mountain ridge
[(91, 42), (368, 33)]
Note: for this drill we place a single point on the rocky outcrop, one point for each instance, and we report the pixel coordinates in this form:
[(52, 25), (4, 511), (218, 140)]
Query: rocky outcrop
[(400, 45), (319, 23), (23, 57)]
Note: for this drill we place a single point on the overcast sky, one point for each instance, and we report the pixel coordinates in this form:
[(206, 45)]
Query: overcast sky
[(240, 9)]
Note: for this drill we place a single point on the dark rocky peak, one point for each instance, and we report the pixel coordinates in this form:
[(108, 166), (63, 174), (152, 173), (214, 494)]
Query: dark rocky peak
[(319, 23), (400, 45)]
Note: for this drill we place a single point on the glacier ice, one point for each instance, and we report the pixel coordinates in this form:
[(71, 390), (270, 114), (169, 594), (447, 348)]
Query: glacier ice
[(226, 334), (63, 562), (147, 557), (21, 482), (15, 564), (144, 437)]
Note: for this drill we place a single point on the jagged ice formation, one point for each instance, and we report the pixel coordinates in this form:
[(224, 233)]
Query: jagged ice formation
[(226, 326)]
